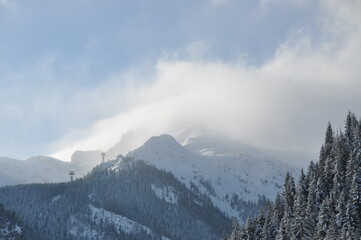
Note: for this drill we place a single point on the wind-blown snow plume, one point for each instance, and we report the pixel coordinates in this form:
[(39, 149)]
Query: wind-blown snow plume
[(282, 104)]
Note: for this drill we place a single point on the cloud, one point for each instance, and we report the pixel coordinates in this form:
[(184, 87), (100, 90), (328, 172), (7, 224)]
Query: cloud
[(283, 2), (284, 103), (4, 2), (219, 2)]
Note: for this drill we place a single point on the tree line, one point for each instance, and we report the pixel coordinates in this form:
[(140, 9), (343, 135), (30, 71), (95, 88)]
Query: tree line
[(325, 204)]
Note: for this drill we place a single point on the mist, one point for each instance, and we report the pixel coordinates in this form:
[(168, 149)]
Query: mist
[(282, 104), (269, 73)]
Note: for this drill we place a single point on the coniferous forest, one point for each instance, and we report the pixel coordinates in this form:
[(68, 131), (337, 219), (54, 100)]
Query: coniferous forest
[(325, 204), (121, 199)]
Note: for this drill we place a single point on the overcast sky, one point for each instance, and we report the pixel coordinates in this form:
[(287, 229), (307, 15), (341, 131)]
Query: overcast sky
[(77, 74)]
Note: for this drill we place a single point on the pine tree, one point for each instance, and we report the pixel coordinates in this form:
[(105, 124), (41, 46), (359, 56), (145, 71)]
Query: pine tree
[(279, 207), (259, 222), (350, 131), (331, 233), (341, 157), (354, 206), (266, 228), (289, 192), (311, 210), (326, 167), (236, 233), (341, 212), (276, 217), (321, 162), (329, 138), (248, 231), (350, 172), (282, 231), (324, 218), (301, 226), (311, 172), (345, 232)]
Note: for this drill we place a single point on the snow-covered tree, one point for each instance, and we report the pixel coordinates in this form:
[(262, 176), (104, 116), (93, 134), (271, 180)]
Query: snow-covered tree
[(327, 202)]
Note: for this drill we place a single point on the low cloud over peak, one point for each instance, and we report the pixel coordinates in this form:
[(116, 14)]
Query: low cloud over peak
[(240, 69)]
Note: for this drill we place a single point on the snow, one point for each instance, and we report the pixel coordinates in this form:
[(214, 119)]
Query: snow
[(78, 228), (100, 216), (42, 169), (217, 167), (5, 232), (121, 223), (55, 198), (166, 193), (197, 141), (18, 229), (39, 169), (208, 152)]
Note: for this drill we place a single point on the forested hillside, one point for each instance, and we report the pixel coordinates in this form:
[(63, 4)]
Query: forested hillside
[(121, 199), (326, 203)]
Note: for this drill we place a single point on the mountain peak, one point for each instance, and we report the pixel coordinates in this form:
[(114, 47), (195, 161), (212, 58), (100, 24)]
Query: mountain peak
[(162, 148), (163, 138), (161, 143)]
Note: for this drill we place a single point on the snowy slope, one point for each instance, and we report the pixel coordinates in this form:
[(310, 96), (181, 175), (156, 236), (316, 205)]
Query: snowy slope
[(36, 169), (204, 141), (216, 168), (100, 216), (42, 169)]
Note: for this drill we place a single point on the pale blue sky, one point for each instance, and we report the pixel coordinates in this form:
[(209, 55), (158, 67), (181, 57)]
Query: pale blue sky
[(65, 64)]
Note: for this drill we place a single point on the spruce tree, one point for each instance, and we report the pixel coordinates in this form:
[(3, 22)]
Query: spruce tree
[(259, 223), (282, 231), (341, 211), (354, 205), (248, 231), (341, 157), (324, 218), (301, 226), (236, 233), (266, 228), (331, 233), (289, 192), (329, 138), (350, 124), (311, 210)]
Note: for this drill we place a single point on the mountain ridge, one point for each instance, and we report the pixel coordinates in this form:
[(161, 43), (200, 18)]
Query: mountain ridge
[(132, 201), (216, 165)]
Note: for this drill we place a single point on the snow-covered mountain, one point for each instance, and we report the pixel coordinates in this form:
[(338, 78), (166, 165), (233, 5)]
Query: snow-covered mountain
[(42, 169), (36, 169), (207, 142), (234, 175), (229, 180), (230, 173)]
